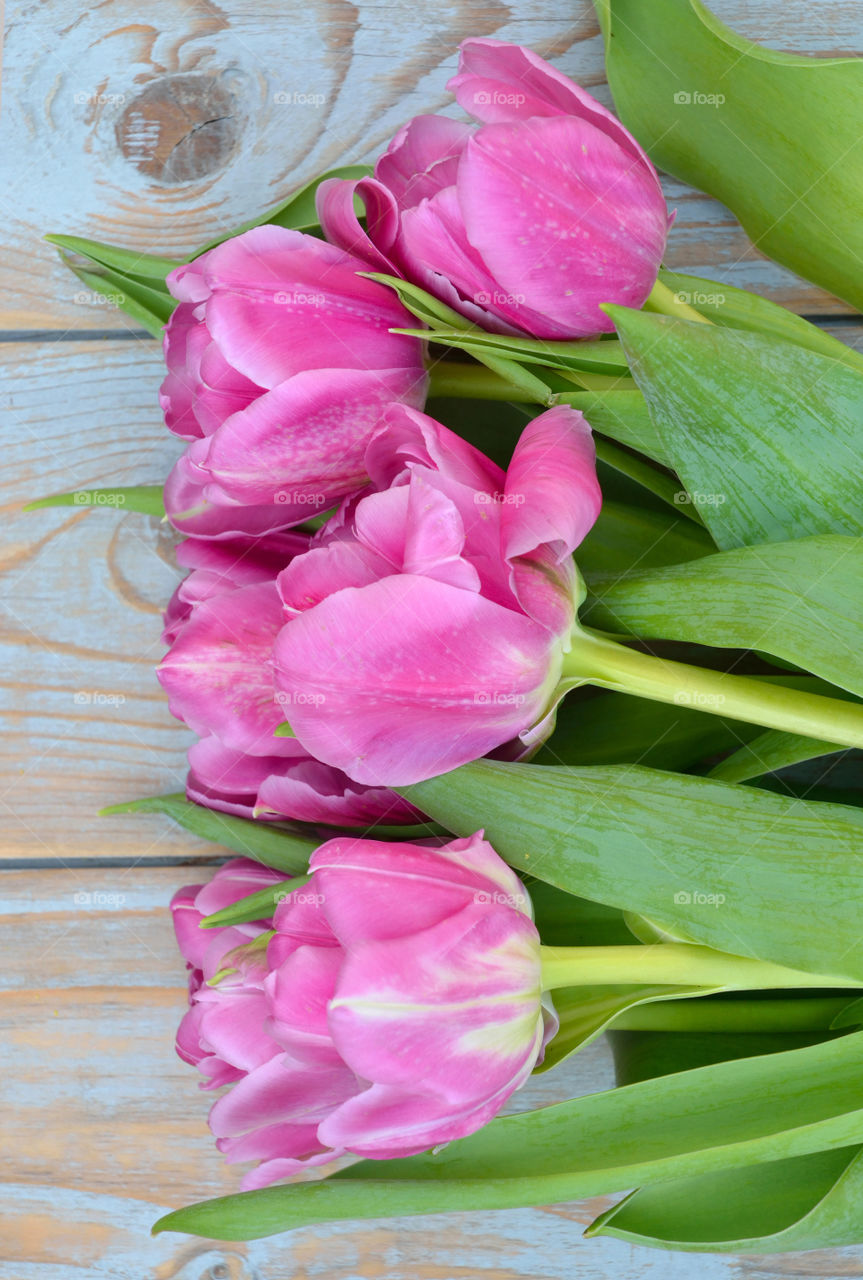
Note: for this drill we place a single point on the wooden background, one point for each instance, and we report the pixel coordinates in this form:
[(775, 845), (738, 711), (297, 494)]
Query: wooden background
[(157, 126)]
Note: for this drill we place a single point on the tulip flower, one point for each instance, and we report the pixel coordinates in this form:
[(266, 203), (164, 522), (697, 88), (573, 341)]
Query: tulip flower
[(525, 225), (280, 358), (427, 624), (221, 625), (398, 1005)]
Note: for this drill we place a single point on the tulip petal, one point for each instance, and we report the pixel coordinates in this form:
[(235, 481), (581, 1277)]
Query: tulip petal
[(409, 677), (303, 443), (422, 158), (279, 1092), (284, 303), (552, 495), (218, 674), (453, 1012), (334, 201), (189, 501), (499, 82), (591, 222)]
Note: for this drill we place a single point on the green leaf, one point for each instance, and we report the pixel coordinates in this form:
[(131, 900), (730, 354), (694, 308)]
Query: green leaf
[(616, 728), (145, 498), (622, 415), (805, 1202), (768, 752), (774, 136), (798, 600), (735, 868), (694, 1122), (598, 356), (657, 482), (586, 1012), (259, 840), (627, 537), (151, 308), (424, 306), (126, 262), (740, 309), (296, 212), (255, 906), (765, 435)]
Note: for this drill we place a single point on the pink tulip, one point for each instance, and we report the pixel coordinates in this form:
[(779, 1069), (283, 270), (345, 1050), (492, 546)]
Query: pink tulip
[(398, 1006), (221, 625), (230, 1051), (428, 622), (524, 225), (280, 358)]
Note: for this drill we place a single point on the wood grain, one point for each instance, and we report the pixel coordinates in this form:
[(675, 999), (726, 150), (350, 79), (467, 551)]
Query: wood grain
[(158, 131)]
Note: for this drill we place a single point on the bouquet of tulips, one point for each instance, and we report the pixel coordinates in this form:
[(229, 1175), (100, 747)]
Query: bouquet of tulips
[(521, 643)]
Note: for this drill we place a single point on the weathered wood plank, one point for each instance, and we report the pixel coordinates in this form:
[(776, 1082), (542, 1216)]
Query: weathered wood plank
[(158, 132), (81, 592), (104, 1128)]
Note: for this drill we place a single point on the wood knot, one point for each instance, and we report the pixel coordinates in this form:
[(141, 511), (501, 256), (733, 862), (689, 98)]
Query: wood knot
[(180, 128)]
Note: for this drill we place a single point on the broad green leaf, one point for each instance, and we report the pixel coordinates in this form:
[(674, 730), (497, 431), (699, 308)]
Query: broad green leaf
[(566, 921), (798, 600), (259, 840), (626, 538), (740, 309), (768, 752), (296, 212), (616, 728), (647, 1055), (765, 435), (806, 1202), (151, 308), (694, 1122), (145, 498), (736, 868), (774, 136), (128, 262)]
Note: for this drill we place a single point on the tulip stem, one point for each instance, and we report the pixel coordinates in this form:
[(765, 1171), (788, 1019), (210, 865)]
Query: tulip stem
[(594, 659), (669, 303), (672, 964), (475, 382)]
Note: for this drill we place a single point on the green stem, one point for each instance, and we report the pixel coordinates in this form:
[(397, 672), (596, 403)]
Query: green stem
[(596, 660), (668, 303), (474, 382), (672, 964), (698, 1015)]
